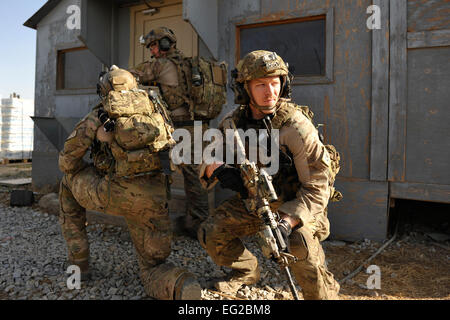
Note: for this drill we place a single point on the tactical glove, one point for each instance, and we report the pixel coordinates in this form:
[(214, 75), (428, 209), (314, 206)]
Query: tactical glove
[(230, 178), (108, 124), (285, 229)]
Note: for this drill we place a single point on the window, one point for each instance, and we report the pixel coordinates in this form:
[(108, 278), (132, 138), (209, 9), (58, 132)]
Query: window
[(77, 68), (305, 43)]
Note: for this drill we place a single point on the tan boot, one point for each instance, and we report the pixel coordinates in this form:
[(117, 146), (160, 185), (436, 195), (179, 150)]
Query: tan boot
[(168, 282), (232, 283), (188, 288)]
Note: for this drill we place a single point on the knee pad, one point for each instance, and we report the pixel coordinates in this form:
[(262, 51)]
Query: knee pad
[(300, 242)]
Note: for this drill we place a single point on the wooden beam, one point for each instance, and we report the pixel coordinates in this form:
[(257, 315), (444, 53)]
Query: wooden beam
[(397, 90), (380, 96), (427, 39), (420, 191)]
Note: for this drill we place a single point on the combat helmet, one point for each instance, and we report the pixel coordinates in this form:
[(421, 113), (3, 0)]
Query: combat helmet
[(259, 64), (115, 79), (166, 38)]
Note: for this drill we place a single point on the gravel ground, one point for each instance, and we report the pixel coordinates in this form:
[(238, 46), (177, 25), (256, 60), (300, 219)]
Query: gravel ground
[(33, 263)]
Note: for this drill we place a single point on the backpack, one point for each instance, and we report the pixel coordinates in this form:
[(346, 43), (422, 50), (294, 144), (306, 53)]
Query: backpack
[(142, 130), (139, 122), (205, 85)]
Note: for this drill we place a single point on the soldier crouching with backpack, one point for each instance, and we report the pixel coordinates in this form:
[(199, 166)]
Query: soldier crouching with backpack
[(194, 89), (304, 183), (126, 135)]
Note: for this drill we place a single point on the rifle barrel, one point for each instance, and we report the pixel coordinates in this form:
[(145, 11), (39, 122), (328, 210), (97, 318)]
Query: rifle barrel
[(291, 283)]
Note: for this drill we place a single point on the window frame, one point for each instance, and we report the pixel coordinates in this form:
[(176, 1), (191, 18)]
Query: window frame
[(326, 14), (60, 73)]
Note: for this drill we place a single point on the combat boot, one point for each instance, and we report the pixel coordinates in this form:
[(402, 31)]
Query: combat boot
[(235, 280), (168, 282), (187, 288)]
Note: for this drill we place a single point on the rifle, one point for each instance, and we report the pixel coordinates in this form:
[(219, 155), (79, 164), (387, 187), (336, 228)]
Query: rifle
[(261, 193), (164, 155)]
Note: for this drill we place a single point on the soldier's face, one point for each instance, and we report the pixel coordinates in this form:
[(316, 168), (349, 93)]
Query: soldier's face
[(154, 49), (265, 92)]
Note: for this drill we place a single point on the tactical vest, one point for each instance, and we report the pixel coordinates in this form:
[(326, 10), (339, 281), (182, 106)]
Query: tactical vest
[(286, 181), (141, 131)]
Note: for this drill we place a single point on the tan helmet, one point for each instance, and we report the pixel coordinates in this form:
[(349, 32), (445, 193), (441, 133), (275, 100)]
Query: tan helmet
[(115, 79), (259, 64), (157, 35)]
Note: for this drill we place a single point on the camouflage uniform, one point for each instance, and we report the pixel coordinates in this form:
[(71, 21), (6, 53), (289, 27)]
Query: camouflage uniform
[(163, 71), (140, 199), (304, 188)]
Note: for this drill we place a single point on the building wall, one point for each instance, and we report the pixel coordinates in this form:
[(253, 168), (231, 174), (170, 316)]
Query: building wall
[(418, 137), (52, 34)]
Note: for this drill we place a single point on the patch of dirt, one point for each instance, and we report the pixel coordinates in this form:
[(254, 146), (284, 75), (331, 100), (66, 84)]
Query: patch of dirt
[(15, 170), (412, 267)]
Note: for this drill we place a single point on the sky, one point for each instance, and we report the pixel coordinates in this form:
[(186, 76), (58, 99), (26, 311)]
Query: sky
[(17, 47)]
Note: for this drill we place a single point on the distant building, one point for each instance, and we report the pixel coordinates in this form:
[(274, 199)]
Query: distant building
[(16, 128), (377, 77)]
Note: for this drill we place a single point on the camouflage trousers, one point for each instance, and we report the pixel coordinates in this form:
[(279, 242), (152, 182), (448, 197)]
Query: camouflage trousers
[(220, 236), (140, 200), (197, 205)]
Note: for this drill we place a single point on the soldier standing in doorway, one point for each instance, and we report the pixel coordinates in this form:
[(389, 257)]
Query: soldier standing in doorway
[(166, 69)]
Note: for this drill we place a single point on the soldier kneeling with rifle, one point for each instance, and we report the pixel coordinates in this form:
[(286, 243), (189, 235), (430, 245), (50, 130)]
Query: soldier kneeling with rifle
[(291, 213)]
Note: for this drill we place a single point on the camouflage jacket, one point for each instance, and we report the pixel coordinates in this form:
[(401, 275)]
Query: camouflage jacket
[(78, 142)]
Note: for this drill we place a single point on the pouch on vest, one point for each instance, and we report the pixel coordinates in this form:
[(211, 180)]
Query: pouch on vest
[(130, 163), (139, 123), (127, 103), (139, 131)]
